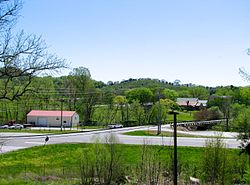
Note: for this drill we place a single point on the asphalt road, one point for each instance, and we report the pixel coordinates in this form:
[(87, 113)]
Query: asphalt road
[(19, 141)]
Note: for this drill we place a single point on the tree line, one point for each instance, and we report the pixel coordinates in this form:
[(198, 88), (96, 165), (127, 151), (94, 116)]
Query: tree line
[(26, 82)]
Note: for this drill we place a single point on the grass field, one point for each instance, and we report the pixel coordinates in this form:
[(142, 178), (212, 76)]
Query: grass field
[(183, 116), (57, 164), (164, 134)]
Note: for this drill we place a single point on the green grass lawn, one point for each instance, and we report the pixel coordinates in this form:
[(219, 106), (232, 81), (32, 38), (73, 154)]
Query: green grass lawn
[(154, 133), (61, 162), (164, 134), (182, 116)]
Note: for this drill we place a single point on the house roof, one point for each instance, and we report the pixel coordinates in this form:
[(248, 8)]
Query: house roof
[(191, 102), (50, 113), (185, 101)]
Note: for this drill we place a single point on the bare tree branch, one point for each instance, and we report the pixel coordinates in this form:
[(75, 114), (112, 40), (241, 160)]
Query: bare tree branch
[(22, 56), (244, 74), (9, 13)]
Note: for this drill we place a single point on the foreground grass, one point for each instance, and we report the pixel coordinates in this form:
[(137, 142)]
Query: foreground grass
[(57, 164), (154, 133), (163, 134)]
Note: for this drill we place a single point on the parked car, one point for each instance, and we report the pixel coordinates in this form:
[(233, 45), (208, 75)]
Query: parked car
[(4, 127), (115, 126), (16, 126)]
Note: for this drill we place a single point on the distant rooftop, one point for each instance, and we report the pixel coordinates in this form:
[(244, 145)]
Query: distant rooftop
[(51, 113), (191, 102)]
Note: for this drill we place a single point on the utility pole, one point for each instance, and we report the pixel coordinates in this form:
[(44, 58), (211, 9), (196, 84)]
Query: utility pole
[(226, 104), (127, 112), (227, 121), (175, 146), (62, 100), (17, 111), (159, 114)]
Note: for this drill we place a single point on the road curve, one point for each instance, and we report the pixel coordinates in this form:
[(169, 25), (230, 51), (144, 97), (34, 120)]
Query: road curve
[(17, 142)]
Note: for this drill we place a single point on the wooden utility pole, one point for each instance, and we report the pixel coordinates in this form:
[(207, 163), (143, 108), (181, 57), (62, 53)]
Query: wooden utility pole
[(62, 100), (159, 114), (175, 147)]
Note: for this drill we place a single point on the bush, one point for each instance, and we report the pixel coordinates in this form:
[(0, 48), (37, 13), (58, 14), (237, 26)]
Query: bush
[(102, 164), (208, 114), (215, 166)]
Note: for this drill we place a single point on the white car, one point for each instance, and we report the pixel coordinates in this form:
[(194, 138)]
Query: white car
[(115, 126), (4, 127), (16, 126)]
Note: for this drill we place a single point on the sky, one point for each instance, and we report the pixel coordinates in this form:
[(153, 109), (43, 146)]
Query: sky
[(195, 41)]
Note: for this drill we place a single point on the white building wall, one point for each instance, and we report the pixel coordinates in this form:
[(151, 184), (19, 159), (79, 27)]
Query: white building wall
[(54, 121), (75, 119)]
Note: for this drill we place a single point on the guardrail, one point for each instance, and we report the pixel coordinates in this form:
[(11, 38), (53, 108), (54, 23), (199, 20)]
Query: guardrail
[(198, 123)]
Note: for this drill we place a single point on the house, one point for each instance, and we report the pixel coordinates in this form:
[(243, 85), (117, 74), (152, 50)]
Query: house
[(45, 118), (193, 103)]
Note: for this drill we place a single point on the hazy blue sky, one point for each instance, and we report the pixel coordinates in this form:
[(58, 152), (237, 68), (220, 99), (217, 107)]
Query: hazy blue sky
[(196, 41)]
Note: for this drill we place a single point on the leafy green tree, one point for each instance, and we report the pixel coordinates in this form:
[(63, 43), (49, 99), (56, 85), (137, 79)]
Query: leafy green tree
[(199, 92), (90, 99), (144, 95), (212, 113), (223, 102), (170, 94), (184, 94), (245, 95), (121, 101), (99, 84), (138, 112), (109, 100), (169, 104), (214, 163), (83, 87), (242, 125), (215, 113), (236, 108), (43, 91), (81, 79), (158, 113), (229, 91)]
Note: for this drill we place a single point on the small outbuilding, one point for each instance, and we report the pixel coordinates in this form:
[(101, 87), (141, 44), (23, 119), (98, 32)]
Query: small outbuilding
[(45, 118)]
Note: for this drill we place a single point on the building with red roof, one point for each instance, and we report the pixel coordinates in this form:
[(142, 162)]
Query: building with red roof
[(53, 118), (193, 103)]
